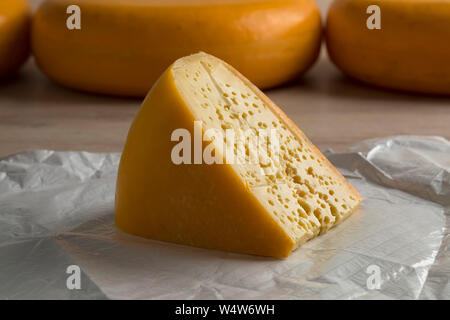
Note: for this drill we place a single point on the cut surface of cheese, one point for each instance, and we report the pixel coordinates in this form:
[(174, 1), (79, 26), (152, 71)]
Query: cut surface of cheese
[(410, 51), (15, 17), (267, 207), (123, 46)]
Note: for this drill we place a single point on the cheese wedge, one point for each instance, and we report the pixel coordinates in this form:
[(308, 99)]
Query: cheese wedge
[(266, 207), (15, 17), (123, 46)]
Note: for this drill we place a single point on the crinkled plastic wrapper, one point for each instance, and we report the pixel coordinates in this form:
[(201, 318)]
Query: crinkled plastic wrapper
[(57, 210)]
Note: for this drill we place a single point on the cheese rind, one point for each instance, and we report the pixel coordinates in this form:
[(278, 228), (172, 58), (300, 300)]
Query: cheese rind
[(265, 208), (15, 16), (130, 43)]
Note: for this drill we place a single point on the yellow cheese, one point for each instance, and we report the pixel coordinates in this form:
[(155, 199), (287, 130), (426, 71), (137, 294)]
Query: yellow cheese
[(266, 207), (14, 32), (410, 52), (123, 46)]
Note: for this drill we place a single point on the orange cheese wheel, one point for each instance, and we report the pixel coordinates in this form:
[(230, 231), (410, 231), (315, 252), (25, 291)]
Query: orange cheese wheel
[(14, 34), (123, 46), (410, 51)]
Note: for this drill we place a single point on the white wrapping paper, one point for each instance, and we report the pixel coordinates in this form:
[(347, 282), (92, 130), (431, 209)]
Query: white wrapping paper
[(57, 209)]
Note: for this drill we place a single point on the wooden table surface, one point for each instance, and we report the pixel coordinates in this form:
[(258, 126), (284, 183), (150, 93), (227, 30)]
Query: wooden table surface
[(331, 109)]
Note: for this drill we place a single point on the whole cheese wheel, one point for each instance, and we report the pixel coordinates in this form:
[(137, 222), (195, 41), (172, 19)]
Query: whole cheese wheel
[(14, 34), (233, 192), (124, 45), (410, 51)]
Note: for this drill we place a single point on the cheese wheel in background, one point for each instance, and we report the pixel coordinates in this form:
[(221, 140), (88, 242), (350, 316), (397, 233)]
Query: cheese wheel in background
[(410, 52), (124, 45), (254, 197), (14, 34)]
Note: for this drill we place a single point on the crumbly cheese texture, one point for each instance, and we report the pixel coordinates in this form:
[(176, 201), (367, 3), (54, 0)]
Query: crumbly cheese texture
[(294, 191)]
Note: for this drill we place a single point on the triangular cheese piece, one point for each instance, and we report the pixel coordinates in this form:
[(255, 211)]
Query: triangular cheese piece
[(256, 198)]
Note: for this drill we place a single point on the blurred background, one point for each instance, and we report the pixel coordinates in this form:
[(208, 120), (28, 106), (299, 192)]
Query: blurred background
[(333, 110)]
